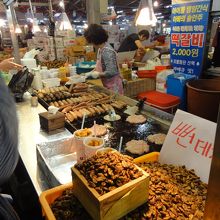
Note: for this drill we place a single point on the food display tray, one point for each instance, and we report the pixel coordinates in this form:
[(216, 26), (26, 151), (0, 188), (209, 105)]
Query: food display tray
[(122, 128), (55, 160)]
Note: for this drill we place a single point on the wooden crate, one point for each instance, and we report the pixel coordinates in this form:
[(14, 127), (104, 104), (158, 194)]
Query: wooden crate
[(133, 88), (50, 122), (114, 204)]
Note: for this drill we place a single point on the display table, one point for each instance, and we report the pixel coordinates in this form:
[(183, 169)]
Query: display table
[(29, 135), (133, 88)]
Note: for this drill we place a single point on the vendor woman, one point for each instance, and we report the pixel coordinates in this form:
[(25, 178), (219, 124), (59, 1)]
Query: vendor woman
[(106, 66)]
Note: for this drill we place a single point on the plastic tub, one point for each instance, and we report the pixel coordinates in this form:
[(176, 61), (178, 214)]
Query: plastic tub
[(48, 197), (161, 68), (203, 98), (147, 73), (176, 85), (85, 67), (151, 157), (52, 82), (162, 101)]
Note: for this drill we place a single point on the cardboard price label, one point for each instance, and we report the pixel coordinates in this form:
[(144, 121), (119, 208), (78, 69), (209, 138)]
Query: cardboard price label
[(190, 142)]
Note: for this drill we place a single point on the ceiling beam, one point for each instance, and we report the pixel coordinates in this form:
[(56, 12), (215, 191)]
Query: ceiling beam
[(38, 4)]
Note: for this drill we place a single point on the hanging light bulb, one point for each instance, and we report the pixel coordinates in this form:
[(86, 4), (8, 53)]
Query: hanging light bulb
[(61, 4), (145, 14), (65, 22), (45, 30), (2, 22), (35, 26), (156, 4), (18, 29)]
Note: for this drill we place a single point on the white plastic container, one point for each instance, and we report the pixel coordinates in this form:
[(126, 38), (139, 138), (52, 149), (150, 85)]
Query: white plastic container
[(72, 70), (52, 82), (53, 73), (165, 59), (79, 146), (44, 72), (37, 82), (91, 150)]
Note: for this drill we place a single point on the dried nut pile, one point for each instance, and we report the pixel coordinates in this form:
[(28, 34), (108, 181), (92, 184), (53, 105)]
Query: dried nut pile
[(105, 172), (68, 207), (174, 193)]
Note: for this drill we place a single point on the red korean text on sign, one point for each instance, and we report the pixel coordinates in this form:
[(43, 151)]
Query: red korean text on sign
[(175, 39), (185, 40), (184, 131), (204, 148), (187, 138), (197, 39)]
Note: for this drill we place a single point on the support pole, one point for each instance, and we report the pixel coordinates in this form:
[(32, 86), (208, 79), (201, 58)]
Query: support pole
[(51, 9), (93, 11), (12, 22)]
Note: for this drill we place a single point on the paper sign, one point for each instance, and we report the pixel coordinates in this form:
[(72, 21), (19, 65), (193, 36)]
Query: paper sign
[(190, 142)]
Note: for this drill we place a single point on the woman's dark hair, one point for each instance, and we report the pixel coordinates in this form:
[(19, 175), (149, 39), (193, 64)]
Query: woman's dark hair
[(145, 33), (95, 34)]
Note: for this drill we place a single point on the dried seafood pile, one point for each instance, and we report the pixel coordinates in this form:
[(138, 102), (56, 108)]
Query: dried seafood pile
[(68, 207), (175, 193), (105, 172)]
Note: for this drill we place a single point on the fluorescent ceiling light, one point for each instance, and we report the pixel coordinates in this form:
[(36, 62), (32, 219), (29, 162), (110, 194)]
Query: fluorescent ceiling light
[(35, 26), (134, 9), (18, 29), (168, 6), (65, 23), (61, 4), (2, 22), (119, 12), (156, 4)]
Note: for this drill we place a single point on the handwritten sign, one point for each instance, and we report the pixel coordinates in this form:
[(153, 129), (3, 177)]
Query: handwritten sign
[(189, 22), (190, 142)]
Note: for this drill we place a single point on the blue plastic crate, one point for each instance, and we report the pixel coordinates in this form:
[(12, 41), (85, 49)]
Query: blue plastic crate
[(80, 70), (176, 85)]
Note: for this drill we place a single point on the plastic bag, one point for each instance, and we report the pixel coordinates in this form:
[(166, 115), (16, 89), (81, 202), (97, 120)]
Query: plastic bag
[(20, 83), (161, 80)]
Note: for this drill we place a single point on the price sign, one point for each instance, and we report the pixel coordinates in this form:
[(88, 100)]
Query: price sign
[(189, 22), (190, 142)]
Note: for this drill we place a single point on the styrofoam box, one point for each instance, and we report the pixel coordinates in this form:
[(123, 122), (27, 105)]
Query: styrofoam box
[(66, 33), (69, 42), (59, 41), (52, 82)]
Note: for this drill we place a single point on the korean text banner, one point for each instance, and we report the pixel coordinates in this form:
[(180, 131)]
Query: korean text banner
[(189, 22)]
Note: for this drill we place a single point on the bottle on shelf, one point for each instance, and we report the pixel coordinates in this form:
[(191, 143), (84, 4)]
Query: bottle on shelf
[(126, 72)]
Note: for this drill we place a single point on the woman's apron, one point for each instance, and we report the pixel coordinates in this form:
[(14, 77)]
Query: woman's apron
[(114, 83)]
